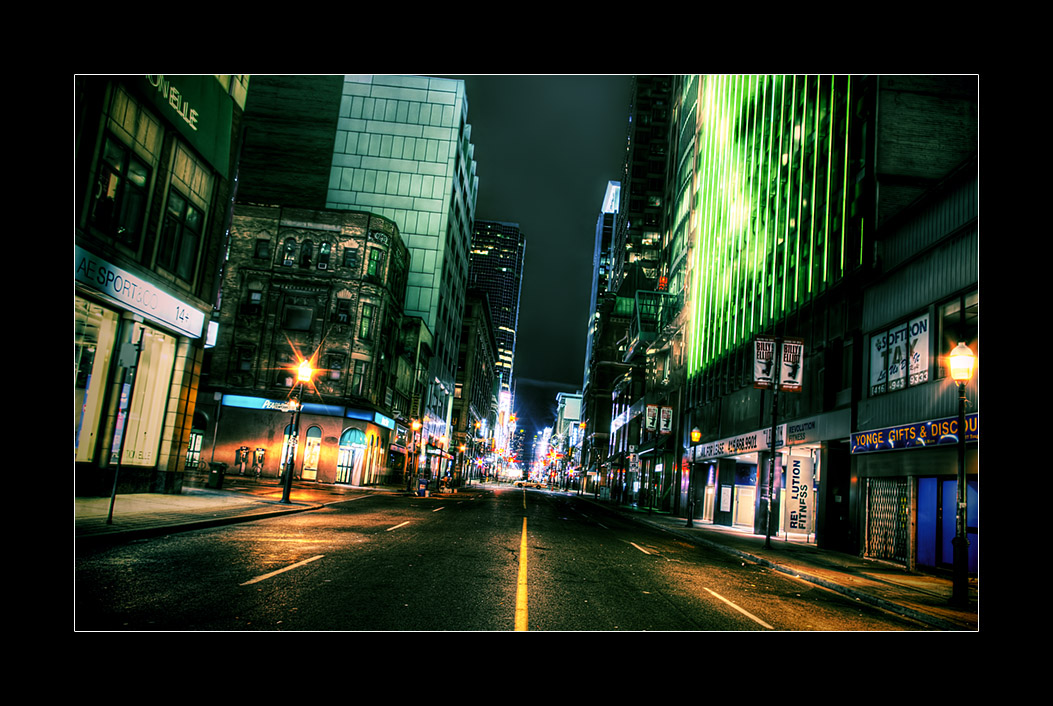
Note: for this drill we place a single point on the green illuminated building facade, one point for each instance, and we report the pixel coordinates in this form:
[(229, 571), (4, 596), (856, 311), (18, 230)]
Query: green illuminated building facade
[(836, 210), (778, 205)]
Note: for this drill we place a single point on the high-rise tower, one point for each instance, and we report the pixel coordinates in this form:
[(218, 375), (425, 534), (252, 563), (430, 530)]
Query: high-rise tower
[(496, 267), (606, 224)]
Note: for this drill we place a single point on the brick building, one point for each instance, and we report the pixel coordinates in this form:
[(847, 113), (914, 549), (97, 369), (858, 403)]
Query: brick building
[(325, 286)]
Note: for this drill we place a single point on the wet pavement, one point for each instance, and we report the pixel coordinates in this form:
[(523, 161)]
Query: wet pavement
[(920, 596)]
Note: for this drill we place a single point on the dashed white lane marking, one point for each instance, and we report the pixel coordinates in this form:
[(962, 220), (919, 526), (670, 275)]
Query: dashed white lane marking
[(401, 524), (749, 615), (290, 567)]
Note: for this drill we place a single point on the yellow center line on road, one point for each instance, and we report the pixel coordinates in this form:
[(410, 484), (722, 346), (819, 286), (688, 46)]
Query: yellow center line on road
[(521, 589)]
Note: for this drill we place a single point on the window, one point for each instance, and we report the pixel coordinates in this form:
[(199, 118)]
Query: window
[(297, 318), (289, 252), (284, 376), (180, 237), (323, 256), (376, 263), (365, 331), (243, 359), (359, 377), (335, 363), (306, 252), (119, 201), (351, 258), (343, 311), (958, 323), (263, 249)]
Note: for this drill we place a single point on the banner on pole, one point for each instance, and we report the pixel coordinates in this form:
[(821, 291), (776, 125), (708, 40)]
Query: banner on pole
[(666, 420), (763, 362), (792, 373), (651, 417)]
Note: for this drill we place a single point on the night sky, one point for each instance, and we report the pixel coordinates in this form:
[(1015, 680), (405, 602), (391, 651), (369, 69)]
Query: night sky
[(545, 148)]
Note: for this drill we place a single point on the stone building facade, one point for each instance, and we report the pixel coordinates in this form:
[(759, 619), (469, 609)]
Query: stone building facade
[(325, 286)]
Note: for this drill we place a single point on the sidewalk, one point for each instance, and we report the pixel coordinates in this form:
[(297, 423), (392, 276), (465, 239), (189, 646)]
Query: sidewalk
[(922, 597)]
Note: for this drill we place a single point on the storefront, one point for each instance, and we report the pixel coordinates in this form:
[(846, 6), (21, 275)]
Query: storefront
[(728, 478), (333, 444), (906, 481), (134, 341)]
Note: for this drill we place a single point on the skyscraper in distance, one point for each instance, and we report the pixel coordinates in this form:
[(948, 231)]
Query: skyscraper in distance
[(496, 267), (606, 225)]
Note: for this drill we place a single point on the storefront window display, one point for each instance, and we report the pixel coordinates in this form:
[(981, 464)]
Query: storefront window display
[(144, 399), (95, 333)]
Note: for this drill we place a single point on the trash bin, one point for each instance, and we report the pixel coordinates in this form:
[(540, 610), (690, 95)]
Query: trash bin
[(216, 471)]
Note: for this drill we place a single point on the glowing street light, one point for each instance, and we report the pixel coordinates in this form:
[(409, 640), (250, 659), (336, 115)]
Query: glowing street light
[(962, 362), (304, 373)]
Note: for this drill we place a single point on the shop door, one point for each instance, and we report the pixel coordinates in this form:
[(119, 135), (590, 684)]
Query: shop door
[(312, 448), (351, 453), (949, 490)]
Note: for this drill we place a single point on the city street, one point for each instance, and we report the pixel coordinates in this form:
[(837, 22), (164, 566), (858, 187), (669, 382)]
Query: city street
[(499, 559)]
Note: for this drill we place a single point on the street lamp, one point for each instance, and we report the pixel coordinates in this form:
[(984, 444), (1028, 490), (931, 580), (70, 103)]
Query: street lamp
[(962, 362), (304, 372)]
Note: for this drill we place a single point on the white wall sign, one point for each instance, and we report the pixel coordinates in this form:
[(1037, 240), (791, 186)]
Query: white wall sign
[(800, 498)]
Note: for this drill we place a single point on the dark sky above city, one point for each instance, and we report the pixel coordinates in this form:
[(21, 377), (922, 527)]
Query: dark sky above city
[(545, 148)]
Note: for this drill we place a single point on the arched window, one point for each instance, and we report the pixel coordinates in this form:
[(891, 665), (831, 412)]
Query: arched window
[(306, 253), (289, 252)]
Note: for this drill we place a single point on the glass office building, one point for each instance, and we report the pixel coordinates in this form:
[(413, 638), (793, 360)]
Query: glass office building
[(403, 150)]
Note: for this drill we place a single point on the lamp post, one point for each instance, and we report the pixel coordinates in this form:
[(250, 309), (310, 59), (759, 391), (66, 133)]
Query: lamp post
[(962, 362), (303, 375), (692, 485)]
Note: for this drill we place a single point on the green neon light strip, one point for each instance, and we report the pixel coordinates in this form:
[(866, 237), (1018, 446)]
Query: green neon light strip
[(844, 186), (759, 224)]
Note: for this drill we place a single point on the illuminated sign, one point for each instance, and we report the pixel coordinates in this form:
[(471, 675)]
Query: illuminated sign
[(912, 436), (137, 294)]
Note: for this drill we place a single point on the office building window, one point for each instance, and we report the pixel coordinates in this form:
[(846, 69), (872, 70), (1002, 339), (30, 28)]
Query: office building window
[(180, 237), (959, 322), (119, 201)]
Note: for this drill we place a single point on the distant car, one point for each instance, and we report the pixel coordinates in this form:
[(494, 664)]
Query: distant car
[(528, 484)]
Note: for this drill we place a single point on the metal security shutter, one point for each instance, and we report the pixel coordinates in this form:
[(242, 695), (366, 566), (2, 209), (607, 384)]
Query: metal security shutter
[(888, 519)]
